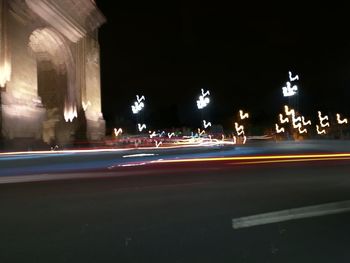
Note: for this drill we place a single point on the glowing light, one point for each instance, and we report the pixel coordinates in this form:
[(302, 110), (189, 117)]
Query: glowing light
[(158, 143), (288, 111), (243, 115), (171, 135), (279, 130), (239, 129), (206, 124), (70, 112), (289, 90), (141, 126), (301, 131), (200, 132), (291, 78), (295, 120), (283, 120), (86, 105), (244, 139), (117, 131), (320, 131), (340, 121), (203, 100), (138, 104), (305, 122), (139, 99), (322, 119), (153, 134)]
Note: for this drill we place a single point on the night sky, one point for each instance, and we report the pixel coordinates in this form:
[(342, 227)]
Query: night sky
[(241, 52)]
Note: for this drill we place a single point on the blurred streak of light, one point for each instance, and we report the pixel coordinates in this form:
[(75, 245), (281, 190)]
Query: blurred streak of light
[(283, 120), (204, 94), (295, 160), (319, 131), (291, 78), (322, 119), (305, 122), (260, 157), (158, 143), (139, 155), (128, 165), (295, 120), (118, 131), (244, 139), (279, 130), (239, 129), (141, 126), (340, 121), (200, 132), (243, 115), (86, 105), (171, 135), (289, 90), (287, 111), (301, 131), (153, 134), (206, 124), (139, 99), (70, 112)]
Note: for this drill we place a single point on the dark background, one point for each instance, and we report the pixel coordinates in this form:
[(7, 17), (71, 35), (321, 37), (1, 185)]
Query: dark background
[(240, 51)]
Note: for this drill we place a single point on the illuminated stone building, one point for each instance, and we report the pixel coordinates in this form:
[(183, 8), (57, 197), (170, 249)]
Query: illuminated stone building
[(50, 70)]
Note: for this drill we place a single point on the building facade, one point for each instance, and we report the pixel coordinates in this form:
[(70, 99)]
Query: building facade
[(50, 70)]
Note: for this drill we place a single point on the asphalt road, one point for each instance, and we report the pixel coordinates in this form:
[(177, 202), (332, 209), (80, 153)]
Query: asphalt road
[(177, 213)]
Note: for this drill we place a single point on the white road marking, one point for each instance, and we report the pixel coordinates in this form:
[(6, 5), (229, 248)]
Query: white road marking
[(291, 214)]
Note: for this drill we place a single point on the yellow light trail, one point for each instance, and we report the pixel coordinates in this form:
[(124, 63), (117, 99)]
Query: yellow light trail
[(260, 157)]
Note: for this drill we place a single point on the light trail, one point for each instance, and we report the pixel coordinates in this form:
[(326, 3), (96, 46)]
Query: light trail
[(243, 115), (282, 121), (340, 156), (341, 121), (294, 160)]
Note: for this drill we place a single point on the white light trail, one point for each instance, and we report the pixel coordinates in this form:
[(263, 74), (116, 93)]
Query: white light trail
[(283, 120), (204, 94), (322, 119), (341, 121), (139, 99), (291, 78), (305, 122), (320, 131), (289, 90), (202, 102), (153, 134), (171, 135), (301, 131), (239, 129), (117, 131), (243, 115), (288, 111), (244, 139), (141, 126), (234, 139), (158, 143), (279, 130), (206, 124), (200, 132)]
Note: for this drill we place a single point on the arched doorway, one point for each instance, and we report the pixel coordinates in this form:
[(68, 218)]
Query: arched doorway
[(56, 84)]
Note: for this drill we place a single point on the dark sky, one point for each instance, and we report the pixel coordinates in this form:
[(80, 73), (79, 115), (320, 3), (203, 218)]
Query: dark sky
[(241, 51)]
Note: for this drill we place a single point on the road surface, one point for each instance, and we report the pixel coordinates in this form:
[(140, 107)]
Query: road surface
[(178, 212)]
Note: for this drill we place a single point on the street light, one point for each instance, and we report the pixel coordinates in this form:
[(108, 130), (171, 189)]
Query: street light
[(138, 104), (203, 99)]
